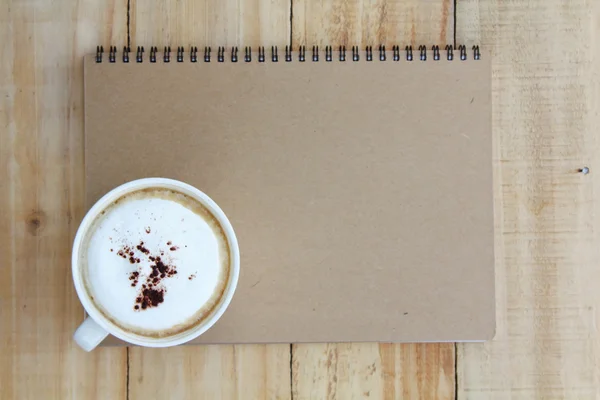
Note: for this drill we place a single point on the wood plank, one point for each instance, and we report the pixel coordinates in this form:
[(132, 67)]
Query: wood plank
[(356, 22), (41, 158), (251, 371), (210, 22), (545, 98), (390, 371), (387, 370), (211, 372)]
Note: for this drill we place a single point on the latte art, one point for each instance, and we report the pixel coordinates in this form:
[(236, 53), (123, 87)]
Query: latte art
[(155, 262)]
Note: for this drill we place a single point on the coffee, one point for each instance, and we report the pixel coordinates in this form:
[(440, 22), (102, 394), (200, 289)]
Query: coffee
[(155, 262)]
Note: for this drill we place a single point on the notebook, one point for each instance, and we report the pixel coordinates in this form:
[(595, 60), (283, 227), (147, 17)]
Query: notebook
[(358, 181)]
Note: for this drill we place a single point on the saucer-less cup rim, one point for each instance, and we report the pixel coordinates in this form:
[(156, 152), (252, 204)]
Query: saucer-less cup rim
[(96, 326)]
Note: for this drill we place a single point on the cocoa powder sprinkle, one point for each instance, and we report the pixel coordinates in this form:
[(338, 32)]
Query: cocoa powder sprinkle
[(152, 297), (141, 248), (152, 292)]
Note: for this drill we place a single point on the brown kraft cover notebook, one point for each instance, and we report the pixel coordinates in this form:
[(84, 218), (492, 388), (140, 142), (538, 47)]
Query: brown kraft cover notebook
[(360, 190)]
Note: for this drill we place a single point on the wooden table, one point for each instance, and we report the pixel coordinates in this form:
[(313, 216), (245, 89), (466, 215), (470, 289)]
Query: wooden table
[(546, 98)]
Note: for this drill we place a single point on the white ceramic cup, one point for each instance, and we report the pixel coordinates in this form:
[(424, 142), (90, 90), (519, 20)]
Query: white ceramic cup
[(96, 327)]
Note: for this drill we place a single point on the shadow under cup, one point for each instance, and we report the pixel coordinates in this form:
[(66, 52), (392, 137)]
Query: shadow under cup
[(208, 313)]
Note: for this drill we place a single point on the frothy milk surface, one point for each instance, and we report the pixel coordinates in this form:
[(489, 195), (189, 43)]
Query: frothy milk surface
[(157, 262)]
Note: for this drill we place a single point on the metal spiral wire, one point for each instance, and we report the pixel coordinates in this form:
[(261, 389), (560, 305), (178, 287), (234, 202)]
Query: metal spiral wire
[(290, 54)]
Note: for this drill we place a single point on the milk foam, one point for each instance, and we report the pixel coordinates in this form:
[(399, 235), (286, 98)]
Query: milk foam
[(183, 234)]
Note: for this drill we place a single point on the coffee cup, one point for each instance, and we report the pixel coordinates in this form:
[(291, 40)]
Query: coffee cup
[(155, 262)]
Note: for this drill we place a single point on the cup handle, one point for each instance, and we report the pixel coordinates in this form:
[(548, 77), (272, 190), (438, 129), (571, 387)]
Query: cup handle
[(89, 334)]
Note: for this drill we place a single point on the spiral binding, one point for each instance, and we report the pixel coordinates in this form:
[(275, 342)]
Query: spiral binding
[(232, 55)]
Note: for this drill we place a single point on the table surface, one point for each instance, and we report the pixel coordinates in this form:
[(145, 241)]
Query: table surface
[(546, 108)]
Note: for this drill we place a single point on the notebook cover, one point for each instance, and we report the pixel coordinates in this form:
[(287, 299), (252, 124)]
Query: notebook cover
[(361, 192)]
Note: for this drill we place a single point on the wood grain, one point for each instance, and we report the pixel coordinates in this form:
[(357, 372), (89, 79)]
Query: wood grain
[(545, 98), (211, 372), (360, 370), (390, 371), (210, 22), (229, 372), (358, 22), (41, 158)]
